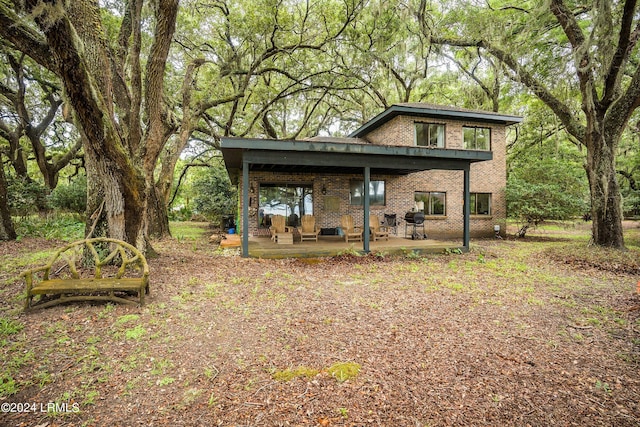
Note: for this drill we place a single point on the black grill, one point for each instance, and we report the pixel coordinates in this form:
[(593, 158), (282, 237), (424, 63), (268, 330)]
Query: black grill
[(416, 218)]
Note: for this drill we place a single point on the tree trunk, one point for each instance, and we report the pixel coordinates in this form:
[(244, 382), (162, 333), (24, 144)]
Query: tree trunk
[(7, 232), (523, 230), (157, 216), (16, 155), (94, 85), (96, 224), (109, 212), (606, 203), (160, 190)]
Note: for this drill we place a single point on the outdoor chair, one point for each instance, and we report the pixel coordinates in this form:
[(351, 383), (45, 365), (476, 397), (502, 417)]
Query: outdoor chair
[(378, 231), (308, 229), (280, 232), (391, 223), (351, 232)]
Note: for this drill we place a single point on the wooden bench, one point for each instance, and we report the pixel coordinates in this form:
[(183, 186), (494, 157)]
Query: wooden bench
[(89, 270)]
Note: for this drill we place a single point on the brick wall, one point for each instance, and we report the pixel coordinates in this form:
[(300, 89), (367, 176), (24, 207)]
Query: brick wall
[(485, 177)]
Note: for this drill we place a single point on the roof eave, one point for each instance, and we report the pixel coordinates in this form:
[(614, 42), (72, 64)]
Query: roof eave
[(397, 110), (340, 157)]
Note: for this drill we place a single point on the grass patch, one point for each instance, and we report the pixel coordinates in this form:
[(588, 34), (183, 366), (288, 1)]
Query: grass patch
[(8, 385), (9, 327), (343, 371), (164, 381), (127, 318), (135, 333), (161, 366), (290, 374), (11, 263), (212, 290), (187, 230), (606, 259), (131, 333), (12, 362)]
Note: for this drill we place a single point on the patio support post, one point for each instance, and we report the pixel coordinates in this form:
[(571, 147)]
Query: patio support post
[(366, 206), (245, 209), (466, 208)]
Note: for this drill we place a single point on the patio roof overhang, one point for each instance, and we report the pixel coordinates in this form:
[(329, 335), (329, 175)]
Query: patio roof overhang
[(340, 158), (242, 155)]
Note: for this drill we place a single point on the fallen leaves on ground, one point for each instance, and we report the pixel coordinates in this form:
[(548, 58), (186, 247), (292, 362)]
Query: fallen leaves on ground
[(503, 335)]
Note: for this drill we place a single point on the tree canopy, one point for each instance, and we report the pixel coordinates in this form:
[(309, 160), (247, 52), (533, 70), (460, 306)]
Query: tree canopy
[(125, 89)]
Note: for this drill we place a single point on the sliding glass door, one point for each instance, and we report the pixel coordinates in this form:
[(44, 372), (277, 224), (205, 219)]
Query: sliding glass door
[(289, 200)]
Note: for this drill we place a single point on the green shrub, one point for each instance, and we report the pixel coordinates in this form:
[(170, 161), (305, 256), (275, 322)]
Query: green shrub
[(53, 226), (24, 197), (70, 197), (545, 190), (213, 194), (182, 213)]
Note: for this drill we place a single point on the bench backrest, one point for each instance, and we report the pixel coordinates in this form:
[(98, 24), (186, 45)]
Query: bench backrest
[(98, 257)]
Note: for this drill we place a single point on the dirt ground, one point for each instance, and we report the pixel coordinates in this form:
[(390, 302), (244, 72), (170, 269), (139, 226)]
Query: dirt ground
[(503, 335)]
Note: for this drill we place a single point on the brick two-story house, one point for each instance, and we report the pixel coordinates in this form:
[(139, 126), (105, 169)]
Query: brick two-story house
[(412, 157)]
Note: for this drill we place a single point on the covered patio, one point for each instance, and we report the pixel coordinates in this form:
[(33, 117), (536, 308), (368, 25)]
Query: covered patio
[(243, 156), (263, 247)]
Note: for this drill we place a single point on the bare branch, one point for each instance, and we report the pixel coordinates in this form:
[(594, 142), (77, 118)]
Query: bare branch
[(572, 30), (519, 9), (621, 55), (24, 38), (565, 114)]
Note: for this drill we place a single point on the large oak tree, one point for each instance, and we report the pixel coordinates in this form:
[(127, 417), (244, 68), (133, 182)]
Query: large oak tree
[(117, 92), (580, 59)]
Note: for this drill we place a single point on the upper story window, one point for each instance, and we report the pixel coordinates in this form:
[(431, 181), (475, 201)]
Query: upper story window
[(376, 193), (476, 138), (429, 135), (480, 204)]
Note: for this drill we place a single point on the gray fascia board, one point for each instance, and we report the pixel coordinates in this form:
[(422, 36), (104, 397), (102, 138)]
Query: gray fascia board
[(359, 160), (337, 156), (284, 146)]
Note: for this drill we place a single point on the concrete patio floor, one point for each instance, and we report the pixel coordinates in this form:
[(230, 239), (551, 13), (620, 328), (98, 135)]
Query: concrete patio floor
[(263, 247)]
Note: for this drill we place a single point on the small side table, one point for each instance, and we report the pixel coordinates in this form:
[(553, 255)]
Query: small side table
[(284, 238)]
